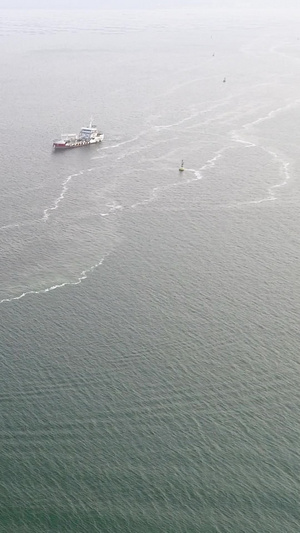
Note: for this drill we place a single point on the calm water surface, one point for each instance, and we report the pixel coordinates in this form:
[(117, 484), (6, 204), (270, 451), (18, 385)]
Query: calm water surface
[(150, 318)]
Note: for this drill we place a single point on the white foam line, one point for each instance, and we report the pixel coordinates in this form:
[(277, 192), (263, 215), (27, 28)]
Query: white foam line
[(211, 162), (223, 118), (237, 139), (219, 104), (9, 226), (124, 142), (250, 202), (246, 143), (117, 145), (83, 275), (46, 212), (99, 157), (154, 193), (146, 147), (167, 126), (197, 176), (186, 83), (61, 196), (284, 164), (223, 102), (197, 173), (271, 114), (113, 207), (271, 194), (20, 225)]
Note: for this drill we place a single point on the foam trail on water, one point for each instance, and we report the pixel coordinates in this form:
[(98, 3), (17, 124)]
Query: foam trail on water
[(167, 126), (121, 143), (47, 211), (56, 203), (20, 225), (83, 275), (211, 162), (198, 175), (124, 142), (155, 192), (179, 86), (248, 202), (271, 190), (271, 114), (9, 226), (282, 163), (145, 147), (236, 139), (113, 207)]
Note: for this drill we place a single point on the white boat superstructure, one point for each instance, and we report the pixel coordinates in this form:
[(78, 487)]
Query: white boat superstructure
[(87, 135)]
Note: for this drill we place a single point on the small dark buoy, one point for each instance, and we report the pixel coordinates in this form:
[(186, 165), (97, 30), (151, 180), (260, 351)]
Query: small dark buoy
[(181, 169), (224, 80)]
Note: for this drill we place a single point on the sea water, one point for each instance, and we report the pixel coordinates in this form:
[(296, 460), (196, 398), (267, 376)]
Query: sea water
[(150, 317)]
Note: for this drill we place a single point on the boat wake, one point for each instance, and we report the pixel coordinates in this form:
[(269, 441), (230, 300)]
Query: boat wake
[(178, 123), (238, 137), (118, 144), (197, 174), (243, 136), (9, 226), (112, 207), (82, 276), (61, 197), (271, 190)]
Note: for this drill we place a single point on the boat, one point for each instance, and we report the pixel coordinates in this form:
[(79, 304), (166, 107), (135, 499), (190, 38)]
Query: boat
[(87, 135), (181, 169)]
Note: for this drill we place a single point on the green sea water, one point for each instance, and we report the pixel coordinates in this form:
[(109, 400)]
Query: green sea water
[(150, 318)]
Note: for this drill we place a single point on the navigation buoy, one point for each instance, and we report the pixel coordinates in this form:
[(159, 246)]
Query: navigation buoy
[(181, 169)]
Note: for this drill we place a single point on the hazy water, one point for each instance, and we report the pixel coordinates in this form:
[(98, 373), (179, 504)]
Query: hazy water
[(150, 319)]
